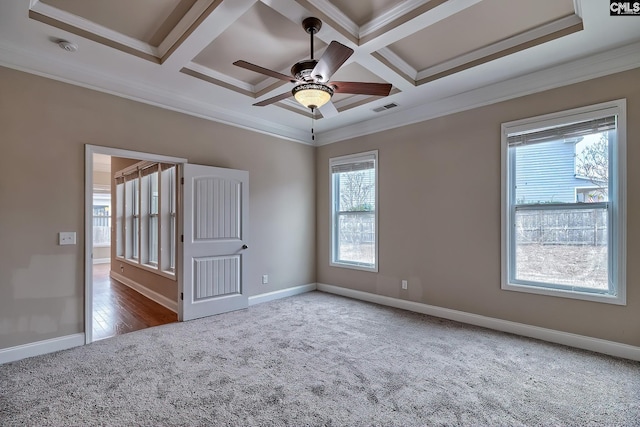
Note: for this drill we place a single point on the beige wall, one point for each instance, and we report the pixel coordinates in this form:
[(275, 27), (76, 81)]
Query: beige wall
[(432, 174), (44, 126), (439, 215)]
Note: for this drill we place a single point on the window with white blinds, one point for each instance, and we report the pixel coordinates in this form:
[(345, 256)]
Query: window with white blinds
[(354, 220), (146, 215), (564, 204)]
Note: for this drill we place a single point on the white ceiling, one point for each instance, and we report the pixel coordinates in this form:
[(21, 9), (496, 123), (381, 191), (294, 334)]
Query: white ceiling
[(441, 56)]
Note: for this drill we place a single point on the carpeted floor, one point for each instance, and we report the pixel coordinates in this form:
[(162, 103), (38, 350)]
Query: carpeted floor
[(320, 359)]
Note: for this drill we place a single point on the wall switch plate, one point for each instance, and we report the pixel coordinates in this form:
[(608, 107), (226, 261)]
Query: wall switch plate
[(265, 279), (405, 284), (67, 238)]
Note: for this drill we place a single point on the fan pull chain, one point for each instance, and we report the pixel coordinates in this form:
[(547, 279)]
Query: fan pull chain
[(313, 136)]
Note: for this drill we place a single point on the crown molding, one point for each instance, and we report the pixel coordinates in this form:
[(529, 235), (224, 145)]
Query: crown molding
[(336, 15), (388, 17), (221, 77), (598, 65), (577, 7), (190, 18), (399, 63), (501, 46), (52, 68)]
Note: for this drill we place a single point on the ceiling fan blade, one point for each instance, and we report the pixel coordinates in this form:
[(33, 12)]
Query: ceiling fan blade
[(328, 110), (359, 88), (267, 72), (273, 99), (333, 57)]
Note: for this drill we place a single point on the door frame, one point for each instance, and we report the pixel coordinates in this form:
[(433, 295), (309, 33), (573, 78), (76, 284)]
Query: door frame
[(89, 151)]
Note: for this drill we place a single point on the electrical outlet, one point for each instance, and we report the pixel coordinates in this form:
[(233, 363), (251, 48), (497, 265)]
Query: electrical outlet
[(67, 238), (405, 284), (265, 279)]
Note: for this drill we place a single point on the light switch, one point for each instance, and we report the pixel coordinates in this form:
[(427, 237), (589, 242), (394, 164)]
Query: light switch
[(67, 238)]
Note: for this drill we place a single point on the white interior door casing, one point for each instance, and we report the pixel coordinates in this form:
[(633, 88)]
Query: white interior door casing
[(215, 204)]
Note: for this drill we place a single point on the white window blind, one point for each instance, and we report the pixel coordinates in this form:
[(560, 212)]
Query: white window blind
[(566, 132)]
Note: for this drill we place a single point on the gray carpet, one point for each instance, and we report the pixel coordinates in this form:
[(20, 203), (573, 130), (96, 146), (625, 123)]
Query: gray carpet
[(320, 359)]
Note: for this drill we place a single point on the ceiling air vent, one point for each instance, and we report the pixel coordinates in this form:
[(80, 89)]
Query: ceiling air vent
[(385, 107)]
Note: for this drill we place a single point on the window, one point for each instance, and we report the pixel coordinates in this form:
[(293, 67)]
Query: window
[(101, 219), (564, 204), (354, 220), (146, 216)]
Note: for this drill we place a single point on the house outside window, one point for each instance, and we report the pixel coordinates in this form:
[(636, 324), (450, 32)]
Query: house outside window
[(563, 215), (354, 220), (146, 216)]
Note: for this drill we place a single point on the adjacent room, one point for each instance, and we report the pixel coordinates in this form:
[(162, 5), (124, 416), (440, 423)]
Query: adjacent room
[(319, 212)]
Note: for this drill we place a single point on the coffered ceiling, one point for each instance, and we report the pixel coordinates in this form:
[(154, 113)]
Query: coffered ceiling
[(440, 56)]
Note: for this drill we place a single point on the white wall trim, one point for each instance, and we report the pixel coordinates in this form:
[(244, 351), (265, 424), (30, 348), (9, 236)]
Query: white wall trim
[(38, 348), (270, 296), (565, 338), (152, 295), (101, 260)]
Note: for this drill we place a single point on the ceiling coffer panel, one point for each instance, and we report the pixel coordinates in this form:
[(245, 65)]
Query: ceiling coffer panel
[(362, 12), (263, 36), (479, 27), (149, 21)]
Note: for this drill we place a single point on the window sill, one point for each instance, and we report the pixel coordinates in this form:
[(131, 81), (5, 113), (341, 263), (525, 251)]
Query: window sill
[(354, 267), (585, 296)]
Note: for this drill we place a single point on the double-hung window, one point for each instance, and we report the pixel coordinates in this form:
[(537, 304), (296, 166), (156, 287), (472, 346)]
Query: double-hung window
[(563, 203), (146, 216), (354, 220)]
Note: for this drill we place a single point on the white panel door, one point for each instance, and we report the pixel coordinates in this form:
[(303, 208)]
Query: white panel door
[(214, 226)]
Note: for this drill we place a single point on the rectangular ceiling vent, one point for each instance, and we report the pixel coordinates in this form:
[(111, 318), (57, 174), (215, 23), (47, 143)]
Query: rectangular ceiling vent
[(385, 107)]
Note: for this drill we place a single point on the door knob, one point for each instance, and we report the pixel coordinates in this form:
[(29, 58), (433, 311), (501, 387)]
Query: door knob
[(245, 247)]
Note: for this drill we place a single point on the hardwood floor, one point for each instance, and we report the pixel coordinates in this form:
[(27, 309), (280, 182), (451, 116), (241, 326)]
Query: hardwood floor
[(118, 309)]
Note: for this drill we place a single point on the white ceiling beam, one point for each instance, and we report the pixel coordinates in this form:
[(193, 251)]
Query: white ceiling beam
[(215, 24), (420, 22)]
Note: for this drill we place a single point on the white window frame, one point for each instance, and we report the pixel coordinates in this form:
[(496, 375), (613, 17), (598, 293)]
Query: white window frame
[(352, 158), (166, 216), (616, 211)]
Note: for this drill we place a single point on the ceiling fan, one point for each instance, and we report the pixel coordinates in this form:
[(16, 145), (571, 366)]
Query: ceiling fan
[(313, 88)]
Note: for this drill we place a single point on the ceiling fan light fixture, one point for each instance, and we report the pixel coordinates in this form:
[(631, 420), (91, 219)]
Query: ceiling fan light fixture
[(312, 95)]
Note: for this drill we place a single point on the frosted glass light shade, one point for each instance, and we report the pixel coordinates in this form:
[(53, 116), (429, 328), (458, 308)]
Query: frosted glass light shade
[(312, 95)]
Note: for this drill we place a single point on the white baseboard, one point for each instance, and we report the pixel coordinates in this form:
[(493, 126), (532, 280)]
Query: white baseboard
[(101, 260), (12, 354), (573, 340), (270, 296), (152, 295)]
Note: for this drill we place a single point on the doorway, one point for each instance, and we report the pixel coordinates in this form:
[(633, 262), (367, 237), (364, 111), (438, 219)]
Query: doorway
[(113, 307)]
